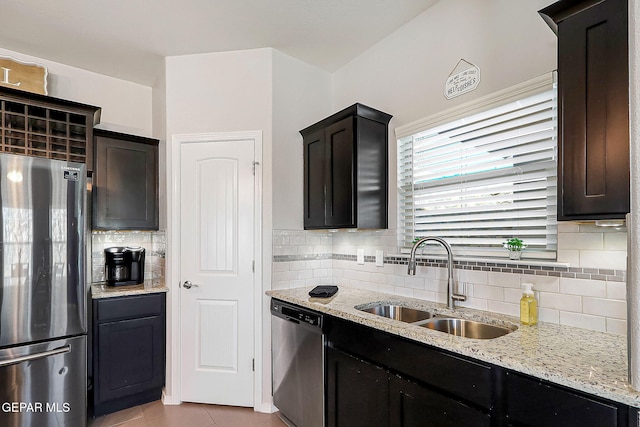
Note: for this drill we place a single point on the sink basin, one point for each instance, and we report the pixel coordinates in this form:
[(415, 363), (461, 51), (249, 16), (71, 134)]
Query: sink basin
[(465, 328), (397, 312)]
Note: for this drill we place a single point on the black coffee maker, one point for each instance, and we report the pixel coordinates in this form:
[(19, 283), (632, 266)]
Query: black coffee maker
[(124, 265)]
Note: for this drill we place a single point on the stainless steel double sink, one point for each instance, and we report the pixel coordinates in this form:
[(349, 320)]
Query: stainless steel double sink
[(438, 322)]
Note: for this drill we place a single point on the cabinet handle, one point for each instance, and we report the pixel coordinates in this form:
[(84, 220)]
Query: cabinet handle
[(187, 284)]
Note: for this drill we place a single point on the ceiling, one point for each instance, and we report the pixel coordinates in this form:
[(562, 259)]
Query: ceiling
[(129, 38)]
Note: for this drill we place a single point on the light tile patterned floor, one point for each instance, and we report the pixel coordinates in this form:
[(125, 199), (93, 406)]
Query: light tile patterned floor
[(155, 414)]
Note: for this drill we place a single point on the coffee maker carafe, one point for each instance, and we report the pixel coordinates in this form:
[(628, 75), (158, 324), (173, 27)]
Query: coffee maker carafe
[(124, 265)]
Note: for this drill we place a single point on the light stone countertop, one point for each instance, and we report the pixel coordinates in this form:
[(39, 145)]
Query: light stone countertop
[(102, 290), (589, 361)]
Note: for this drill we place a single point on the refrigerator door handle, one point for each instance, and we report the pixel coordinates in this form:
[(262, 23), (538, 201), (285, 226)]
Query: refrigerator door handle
[(13, 361)]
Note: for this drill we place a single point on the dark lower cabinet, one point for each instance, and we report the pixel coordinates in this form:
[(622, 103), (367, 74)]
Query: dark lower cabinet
[(347, 378), (128, 351), (413, 404), (378, 379), (531, 402)]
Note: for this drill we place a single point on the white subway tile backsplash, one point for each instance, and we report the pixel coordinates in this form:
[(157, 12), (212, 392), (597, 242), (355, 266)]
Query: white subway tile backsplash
[(414, 282), (605, 307), (507, 280), (570, 256), (615, 241), (581, 241), (548, 315), (590, 293), (616, 290), (608, 259), (510, 309), (478, 304), (402, 291), (494, 293), (543, 283), (320, 272), (560, 302), (425, 295), (590, 288), (617, 326), (586, 321), (472, 276), (512, 295), (304, 274)]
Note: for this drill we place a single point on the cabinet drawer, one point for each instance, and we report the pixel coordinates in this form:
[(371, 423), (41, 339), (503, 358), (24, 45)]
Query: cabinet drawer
[(357, 340), (532, 402), (466, 379), (127, 307)]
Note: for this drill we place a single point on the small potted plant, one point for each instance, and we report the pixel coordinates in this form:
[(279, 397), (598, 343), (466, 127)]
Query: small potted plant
[(515, 247)]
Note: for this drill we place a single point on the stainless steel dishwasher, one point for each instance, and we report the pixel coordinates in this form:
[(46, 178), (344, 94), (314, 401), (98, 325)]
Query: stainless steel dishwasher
[(297, 348)]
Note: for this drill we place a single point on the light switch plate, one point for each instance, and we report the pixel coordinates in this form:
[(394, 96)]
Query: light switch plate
[(360, 256), (380, 258)]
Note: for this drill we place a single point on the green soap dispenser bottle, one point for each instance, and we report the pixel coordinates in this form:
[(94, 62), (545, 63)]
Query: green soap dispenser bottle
[(528, 306)]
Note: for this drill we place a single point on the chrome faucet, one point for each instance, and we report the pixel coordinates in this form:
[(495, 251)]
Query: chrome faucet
[(451, 296)]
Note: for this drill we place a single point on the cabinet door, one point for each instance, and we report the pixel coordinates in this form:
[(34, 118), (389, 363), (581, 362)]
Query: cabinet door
[(357, 392), (130, 357), (413, 404), (340, 178), (536, 404), (125, 191), (594, 119), (314, 179)]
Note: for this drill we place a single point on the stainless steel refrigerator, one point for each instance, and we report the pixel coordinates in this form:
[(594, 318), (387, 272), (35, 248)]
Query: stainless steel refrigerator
[(43, 321)]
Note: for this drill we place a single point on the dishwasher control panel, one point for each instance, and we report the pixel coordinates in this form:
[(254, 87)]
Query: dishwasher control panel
[(295, 313)]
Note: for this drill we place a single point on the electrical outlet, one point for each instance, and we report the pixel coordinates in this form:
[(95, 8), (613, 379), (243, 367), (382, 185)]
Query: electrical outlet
[(380, 258), (360, 257)]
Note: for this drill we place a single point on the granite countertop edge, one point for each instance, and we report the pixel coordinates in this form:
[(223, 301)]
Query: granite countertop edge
[(589, 361), (101, 290)]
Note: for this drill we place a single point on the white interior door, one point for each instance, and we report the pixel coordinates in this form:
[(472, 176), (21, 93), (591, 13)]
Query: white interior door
[(217, 186)]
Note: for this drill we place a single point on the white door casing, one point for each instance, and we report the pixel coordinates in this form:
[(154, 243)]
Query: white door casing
[(219, 229)]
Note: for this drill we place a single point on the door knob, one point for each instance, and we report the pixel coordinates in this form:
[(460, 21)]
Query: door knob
[(187, 284)]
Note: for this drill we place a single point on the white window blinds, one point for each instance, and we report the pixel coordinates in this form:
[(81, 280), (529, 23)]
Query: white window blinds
[(481, 179)]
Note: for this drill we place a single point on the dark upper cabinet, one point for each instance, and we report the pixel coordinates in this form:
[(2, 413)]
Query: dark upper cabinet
[(593, 90), (43, 126), (346, 170), (125, 185)]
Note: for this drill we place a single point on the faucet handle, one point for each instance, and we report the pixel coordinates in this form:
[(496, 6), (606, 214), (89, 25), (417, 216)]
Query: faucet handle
[(412, 267), (461, 296)]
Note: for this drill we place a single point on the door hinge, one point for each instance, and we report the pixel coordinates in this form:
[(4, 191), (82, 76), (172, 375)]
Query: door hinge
[(254, 167), (253, 266), (253, 365)]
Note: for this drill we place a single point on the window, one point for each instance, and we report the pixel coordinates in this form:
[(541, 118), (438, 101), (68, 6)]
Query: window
[(483, 173)]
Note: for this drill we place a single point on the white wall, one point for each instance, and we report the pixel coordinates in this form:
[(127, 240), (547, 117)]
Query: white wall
[(404, 74), (126, 106), (301, 95)]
